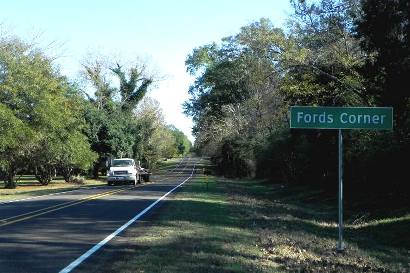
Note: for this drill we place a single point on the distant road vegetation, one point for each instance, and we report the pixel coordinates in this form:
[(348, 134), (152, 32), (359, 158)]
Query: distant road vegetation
[(50, 125), (331, 53)]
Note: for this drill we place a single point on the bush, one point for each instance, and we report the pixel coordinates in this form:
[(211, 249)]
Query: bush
[(77, 180)]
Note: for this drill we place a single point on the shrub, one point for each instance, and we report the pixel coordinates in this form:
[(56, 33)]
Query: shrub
[(77, 180)]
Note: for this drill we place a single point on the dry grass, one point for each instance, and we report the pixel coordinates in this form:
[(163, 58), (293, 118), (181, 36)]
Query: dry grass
[(300, 233), (27, 187)]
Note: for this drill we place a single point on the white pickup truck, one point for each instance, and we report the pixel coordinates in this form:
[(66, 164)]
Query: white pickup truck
[(125, 170)]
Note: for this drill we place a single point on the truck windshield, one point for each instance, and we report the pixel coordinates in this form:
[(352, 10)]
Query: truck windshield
[(122, 163)]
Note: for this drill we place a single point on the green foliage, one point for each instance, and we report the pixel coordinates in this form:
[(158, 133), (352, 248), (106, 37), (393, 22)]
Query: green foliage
[(130, 126), (157, 140), (15, 144), (332, 53), (182, 143), (48, 127), (110, 134), (325, 73), (384, 31), (133, 88), (38, 114), (112, 128), (235, 101), (76, 154)]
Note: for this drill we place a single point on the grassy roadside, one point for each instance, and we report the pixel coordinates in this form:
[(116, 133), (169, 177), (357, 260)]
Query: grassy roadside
[(29, 187), (166, 165), (251, 226), (297, 229)]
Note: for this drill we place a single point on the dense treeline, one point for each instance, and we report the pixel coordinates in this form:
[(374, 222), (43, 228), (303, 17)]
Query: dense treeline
[(49, 126), (332, 53), (122, 122)]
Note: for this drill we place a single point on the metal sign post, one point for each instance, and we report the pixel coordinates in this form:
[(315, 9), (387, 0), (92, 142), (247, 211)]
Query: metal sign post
[(324, 117), (340, 246)]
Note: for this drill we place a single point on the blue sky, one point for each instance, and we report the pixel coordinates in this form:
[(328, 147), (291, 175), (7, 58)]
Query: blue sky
[(161, 33)]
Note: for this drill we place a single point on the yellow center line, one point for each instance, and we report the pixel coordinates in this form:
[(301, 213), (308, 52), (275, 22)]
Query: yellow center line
[(55, 206), (39, 212), (32, 214)]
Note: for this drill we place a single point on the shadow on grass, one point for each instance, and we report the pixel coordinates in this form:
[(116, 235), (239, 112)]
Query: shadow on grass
[(296, 210)]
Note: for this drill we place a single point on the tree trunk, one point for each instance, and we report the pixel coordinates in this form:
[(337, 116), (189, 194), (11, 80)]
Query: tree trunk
[(44, 175), (66, 172), (96, 170), (11, 178)]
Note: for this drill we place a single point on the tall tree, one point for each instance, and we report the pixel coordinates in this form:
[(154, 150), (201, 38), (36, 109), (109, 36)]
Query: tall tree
[(325, 70), (155, 140), (133, 86), (236, 95), (112, 128), (39, 112), (95, 73), (384, 30)]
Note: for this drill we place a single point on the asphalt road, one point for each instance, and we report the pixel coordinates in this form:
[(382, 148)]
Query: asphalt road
[(49, 233)]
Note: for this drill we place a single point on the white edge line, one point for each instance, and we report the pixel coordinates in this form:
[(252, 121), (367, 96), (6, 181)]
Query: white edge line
[(92, 250)]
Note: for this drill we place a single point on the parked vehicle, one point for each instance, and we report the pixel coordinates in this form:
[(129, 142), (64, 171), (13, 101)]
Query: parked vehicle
[(123, 170)]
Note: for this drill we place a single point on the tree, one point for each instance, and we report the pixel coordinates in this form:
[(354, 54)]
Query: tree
[(333, 53), (384, 32), (244, 85), (95, 73), (112, 127), (156, 140), (110, 134), (324, 70), (76, 154), (183, 145), (15, 144), (235, 99), (63, 147), (39, 111), (132, 88)]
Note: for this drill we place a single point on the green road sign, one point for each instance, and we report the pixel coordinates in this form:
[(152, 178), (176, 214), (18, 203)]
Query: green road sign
[(309, 117)]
